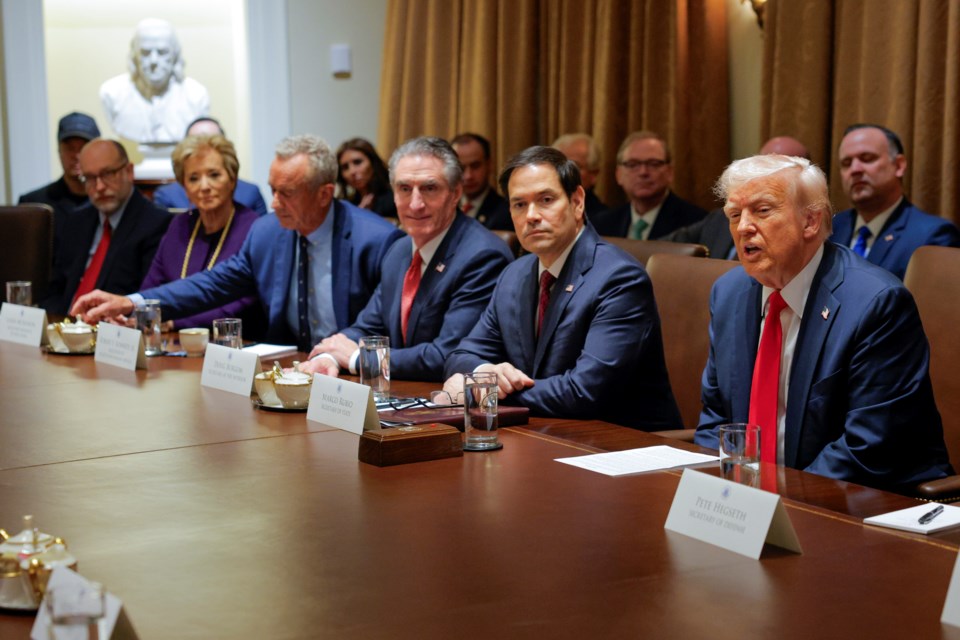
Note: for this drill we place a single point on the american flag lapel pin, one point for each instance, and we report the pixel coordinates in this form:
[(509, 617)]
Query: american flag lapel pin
[(825, 313), (441, 267), (569, 288), (888, 237)]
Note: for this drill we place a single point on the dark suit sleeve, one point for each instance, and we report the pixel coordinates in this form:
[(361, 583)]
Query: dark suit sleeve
[(891, 418), (623, 332), (483, 344), (716, 409), (946, 235), (425, 361)]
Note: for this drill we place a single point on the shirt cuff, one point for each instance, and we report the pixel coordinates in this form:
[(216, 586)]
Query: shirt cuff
[(137, 299), (354, 357), (326, 355)]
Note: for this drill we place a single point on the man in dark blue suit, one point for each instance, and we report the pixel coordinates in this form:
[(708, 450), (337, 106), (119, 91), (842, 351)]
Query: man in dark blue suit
[(645, 172), (314, 265), (883, 226), (174, 196), (457, 264), (479, 200), (842, 389), (572, 329)]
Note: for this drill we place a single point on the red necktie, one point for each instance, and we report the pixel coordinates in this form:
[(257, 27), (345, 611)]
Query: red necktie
[(90, 276), (546, 281), (467, 207), (411, 282), (764, 391)]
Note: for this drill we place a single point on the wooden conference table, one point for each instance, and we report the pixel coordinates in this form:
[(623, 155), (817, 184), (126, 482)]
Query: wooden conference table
[(211, 519)]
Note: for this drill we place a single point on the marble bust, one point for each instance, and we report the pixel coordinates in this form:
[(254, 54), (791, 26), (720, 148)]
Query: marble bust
[(155, 102)]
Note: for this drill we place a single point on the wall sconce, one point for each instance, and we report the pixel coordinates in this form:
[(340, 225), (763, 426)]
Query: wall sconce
[(758, 7)]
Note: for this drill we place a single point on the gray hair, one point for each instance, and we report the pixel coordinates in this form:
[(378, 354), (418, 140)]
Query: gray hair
[(432, 148), (593, 150), (323, 164), (808, 191)]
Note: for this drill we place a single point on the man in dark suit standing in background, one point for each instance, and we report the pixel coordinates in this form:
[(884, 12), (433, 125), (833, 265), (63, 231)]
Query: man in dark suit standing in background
[(109, 244), (436, 284), (66, 195), (838, 376), (572, 329), (645, 172), (883, 226), (479, 200)]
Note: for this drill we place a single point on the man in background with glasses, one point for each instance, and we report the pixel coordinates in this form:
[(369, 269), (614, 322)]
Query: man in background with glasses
[(109, 244), (645, 173)]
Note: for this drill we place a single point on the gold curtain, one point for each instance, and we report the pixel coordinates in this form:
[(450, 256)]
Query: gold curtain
[(522, 72), (895, 63)]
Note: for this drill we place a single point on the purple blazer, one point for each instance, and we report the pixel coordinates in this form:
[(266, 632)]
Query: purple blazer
[(168, 261)]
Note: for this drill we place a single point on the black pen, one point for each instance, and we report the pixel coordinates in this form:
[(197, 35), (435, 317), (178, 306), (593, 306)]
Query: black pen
[(928, 517)]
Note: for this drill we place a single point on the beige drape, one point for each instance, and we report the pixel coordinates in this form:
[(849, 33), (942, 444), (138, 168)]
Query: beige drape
[(892, 62), (522, 72)]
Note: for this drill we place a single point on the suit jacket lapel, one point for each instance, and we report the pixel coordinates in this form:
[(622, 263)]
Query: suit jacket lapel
[(578, 263), (284, 272), (435, 272), (818, 316), (524, 316), (342, 259), (747, 318), (119, 235), (894, 228)]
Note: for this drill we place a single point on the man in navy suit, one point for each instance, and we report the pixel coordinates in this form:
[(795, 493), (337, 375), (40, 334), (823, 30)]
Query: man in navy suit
[(843, 390), (479, 200), (883, 226), (645, 172), (174, 196), (572, 329), (109, 244), (336, 247), (457, 264)]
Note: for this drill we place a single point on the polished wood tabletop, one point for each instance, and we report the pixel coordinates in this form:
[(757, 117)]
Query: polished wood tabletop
[(212, 519)]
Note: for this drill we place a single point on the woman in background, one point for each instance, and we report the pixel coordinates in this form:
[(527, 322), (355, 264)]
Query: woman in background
[(211, 232), (364, 179)]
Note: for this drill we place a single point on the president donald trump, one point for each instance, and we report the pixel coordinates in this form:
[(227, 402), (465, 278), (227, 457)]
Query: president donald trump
[(822, 349)]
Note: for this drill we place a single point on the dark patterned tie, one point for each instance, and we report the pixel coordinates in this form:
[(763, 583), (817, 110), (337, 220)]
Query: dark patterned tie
[(303, 313), (546, 281)]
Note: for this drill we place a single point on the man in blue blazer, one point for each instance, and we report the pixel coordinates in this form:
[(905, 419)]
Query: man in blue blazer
[(572, 329), (852, 399), (883, 226), (645, 172), (174, 196), (459, 261), (344, 247)]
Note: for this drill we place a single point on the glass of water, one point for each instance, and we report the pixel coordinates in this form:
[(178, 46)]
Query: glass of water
[(740, 453), (228, 332), (20, 292), (480, 411), (147, 317), (374, 365)]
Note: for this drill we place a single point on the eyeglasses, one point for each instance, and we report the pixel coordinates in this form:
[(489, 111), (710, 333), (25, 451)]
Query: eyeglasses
[(652, 165), (107, 176)]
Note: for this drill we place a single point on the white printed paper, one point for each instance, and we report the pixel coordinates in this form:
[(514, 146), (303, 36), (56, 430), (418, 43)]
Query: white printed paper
[(655, 458)]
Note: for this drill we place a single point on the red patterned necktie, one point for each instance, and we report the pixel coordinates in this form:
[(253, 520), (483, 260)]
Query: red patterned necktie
[(411, 282), (546, 281), (90, 276), (764, 391)]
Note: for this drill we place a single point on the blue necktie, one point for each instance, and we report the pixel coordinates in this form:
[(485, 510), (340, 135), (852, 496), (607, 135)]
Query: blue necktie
[(303, 340), (860, 246)]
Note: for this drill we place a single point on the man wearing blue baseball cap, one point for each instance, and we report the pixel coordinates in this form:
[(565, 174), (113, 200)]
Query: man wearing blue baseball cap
[(67, 194)]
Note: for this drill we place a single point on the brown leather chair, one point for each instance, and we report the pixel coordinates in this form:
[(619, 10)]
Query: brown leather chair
[(26, 245), (512, 241), (643, 249), (933, 277), (681, 286)]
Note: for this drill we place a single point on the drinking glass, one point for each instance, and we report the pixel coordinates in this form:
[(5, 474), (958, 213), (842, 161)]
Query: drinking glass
[(20, 292), (740, 453), (147, 317), (228, 332), (374, 365), (480, 411)]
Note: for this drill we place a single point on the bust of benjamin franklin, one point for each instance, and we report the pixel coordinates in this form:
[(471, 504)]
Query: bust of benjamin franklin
[(155, 102)]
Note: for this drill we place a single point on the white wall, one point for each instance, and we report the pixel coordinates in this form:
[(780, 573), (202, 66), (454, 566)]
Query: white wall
[(334, 108)]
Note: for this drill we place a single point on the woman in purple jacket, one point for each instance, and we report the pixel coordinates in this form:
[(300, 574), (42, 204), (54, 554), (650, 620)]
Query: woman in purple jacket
[(210, 233)]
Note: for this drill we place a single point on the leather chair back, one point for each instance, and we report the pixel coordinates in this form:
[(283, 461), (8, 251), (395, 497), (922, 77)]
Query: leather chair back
[(933, 277), (26, 246), (643, 249), (681, 286)]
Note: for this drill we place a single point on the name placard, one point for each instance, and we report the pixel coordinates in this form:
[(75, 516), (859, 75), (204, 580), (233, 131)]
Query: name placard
[(951, 607), (733, 516), (120, 347), (22, 325), (342, 404), (230, 370), (114, 624)]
